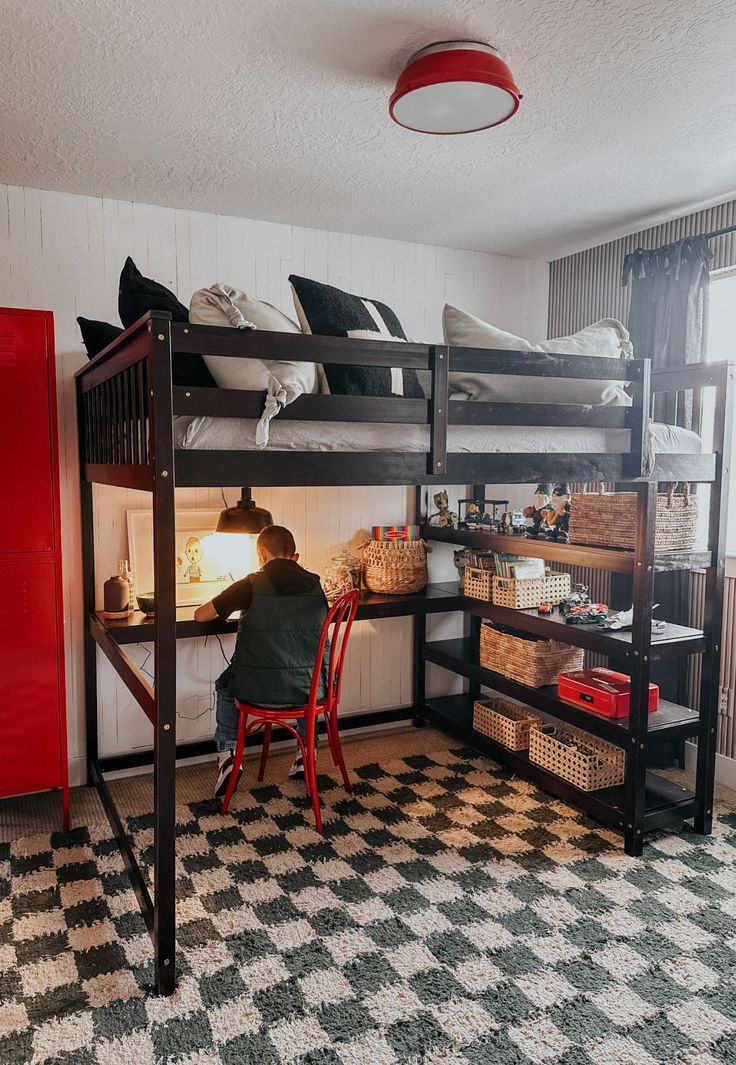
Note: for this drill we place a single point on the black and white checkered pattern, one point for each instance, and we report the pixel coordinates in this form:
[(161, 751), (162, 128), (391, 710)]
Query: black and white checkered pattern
[(450, 915)]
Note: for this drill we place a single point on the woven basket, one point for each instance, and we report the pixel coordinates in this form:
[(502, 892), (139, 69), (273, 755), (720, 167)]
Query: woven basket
[(523, 593), (525, 658), (597, 765), (395, 567), (479, 584), (505, 722), (609, 520)]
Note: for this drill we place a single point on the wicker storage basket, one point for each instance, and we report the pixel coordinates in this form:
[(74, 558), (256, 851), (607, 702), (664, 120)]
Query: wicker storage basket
[(395, 567), (505, 722), (609, 520), (524, 593), (478, 583), (576, 756), (525, 658)]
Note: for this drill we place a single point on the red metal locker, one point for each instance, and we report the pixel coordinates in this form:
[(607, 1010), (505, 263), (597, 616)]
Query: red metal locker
[(30, 723), (25, 438), (33, 755)]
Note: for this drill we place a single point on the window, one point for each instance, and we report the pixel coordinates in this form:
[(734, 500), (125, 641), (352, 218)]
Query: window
[(722, 345)]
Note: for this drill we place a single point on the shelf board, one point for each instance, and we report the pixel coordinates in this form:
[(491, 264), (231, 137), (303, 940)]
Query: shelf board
[(675, 640), (668, 723), (434, 599), (572, 554), (666, 802), (605, 558)]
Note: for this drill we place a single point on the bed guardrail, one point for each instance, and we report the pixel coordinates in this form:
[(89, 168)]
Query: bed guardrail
[(116, 398)]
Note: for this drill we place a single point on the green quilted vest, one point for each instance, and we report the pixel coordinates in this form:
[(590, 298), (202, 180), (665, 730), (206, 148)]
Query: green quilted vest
[(277, 642)]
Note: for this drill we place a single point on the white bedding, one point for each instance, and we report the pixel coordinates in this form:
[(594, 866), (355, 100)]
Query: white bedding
[(239, 434)]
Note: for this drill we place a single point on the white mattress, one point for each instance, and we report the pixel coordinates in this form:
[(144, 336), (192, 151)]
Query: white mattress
[(238, 434)]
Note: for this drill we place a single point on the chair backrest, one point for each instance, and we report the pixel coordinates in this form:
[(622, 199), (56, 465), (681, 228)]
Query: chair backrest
[(340, 615)]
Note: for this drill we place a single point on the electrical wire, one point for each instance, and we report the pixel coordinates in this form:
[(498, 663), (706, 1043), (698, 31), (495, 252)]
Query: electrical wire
[(211, 707)]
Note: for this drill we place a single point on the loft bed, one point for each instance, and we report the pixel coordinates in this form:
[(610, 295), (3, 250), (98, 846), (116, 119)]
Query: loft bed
[(135, 431)]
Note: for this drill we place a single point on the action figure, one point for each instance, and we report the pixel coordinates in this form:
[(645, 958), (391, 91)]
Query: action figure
[(447, 518), (558, 513), (538, 511)]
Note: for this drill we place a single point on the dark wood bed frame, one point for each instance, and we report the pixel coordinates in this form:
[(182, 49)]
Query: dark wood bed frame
[(126, 408)]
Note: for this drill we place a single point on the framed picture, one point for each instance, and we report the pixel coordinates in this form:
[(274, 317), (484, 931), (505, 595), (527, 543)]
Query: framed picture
[(202, 570)]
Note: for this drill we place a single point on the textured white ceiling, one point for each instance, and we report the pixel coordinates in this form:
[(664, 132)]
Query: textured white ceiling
[(277, 109)]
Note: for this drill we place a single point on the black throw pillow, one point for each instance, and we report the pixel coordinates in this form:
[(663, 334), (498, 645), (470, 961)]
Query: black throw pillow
[(327, 311), (97, 335), (138, 294)]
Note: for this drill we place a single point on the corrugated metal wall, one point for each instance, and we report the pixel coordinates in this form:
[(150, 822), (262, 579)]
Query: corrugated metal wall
[(587, 286)]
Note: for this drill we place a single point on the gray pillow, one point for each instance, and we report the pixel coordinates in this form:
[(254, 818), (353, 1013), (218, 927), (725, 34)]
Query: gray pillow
[(607, 339)]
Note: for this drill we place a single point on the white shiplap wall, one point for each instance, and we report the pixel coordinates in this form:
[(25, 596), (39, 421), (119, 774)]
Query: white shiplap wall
[(63, 253)]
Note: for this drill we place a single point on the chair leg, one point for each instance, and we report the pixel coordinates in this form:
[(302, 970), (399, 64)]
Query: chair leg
[(237, 762), (264, 750), (332, 730), (310, 774)]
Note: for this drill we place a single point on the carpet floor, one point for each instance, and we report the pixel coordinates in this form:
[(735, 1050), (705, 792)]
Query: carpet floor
[(450, 915)]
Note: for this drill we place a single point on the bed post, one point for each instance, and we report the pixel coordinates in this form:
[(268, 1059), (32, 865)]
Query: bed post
[(723, 439), (635, 463), (641, 641), (164, 759)]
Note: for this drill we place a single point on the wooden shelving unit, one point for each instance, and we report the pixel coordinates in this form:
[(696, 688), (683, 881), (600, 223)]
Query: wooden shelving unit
[(646, 800)]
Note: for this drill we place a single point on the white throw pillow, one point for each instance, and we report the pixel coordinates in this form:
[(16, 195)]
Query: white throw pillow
[(606, 339), (284, 381)]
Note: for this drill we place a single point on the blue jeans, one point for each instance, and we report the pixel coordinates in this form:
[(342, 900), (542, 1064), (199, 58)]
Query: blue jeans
[(227, 716)]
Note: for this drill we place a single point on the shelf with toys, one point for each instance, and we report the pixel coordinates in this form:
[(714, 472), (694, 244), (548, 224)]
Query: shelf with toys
[(528, 621)]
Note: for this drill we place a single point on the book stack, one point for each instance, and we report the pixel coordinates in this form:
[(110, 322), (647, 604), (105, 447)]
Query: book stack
[(518, 567)]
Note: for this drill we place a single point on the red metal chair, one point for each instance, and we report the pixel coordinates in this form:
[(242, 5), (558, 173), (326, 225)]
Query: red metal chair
[(341, 615)]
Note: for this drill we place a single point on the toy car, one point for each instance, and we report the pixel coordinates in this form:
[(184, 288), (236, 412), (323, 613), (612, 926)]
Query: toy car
[(545, 608), (586, 614), (577, 598)]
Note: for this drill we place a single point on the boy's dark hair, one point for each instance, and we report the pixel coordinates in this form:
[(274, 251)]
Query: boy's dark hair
[(278, 541)]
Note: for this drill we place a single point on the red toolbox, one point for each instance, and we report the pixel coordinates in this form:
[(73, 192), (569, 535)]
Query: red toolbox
[(601, 690)]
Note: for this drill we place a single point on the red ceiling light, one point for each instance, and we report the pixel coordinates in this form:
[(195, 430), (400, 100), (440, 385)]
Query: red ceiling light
[(454, 87)]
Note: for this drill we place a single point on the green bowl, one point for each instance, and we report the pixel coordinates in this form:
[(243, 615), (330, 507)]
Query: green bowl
[(147, 603)]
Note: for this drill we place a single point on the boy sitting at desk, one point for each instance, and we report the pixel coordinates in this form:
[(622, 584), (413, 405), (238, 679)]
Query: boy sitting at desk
[(282, 610)]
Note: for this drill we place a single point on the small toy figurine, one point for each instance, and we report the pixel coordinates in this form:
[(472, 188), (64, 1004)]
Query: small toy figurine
[(558, 513), (447, 518), (537, 512)]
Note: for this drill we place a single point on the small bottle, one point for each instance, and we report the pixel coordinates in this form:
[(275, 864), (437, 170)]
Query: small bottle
[(125, 572), (115, 601)]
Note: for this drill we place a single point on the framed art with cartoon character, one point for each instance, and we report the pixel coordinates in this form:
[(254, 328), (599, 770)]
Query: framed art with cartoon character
[(202, 569)]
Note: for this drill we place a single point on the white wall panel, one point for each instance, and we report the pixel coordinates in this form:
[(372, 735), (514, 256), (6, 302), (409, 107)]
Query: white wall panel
[(64, 253)]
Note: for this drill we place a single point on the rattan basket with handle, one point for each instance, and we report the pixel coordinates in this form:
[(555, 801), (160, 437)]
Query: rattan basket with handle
[(526, 592), (608, 519), (505, 722), (395, 567), (525, 658), (576, 756)]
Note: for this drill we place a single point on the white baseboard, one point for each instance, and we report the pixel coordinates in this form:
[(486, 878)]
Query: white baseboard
[(725, 767)]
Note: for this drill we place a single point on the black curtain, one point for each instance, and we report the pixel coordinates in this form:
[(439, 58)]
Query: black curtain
[(668, 317)]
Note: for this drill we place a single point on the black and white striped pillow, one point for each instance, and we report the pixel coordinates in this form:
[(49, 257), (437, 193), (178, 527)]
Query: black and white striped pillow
[(327, 311)]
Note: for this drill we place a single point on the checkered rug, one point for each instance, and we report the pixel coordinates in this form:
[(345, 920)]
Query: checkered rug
[(450, 915)]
